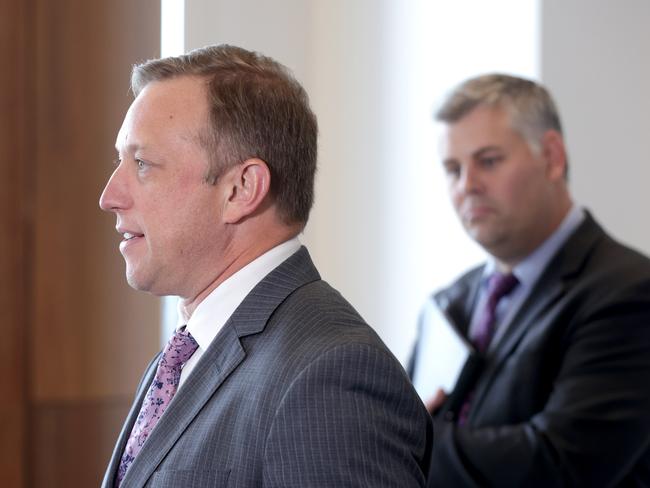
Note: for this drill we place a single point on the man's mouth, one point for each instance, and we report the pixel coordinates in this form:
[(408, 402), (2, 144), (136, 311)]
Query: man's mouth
[(128, 236), (476, 211)]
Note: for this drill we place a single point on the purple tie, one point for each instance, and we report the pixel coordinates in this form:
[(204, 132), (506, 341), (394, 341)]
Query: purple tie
[(177, 351), (499, 285)]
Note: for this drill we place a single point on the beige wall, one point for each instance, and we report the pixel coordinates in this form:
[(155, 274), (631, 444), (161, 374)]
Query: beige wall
[(596, 60)]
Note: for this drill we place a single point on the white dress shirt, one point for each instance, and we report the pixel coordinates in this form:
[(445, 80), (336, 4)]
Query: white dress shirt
[(215, 310)]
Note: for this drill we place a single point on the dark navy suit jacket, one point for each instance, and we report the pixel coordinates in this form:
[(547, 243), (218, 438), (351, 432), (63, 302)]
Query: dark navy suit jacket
[(564, 399)]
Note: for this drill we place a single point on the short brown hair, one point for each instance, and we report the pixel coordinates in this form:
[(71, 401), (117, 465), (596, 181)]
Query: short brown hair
[(531, 107), (257, 110)]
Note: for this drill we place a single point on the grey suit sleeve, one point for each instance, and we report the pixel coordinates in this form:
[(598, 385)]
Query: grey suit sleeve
[(350, 419), (595, 424)]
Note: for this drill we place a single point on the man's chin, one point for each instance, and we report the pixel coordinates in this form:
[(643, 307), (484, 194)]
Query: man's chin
[(136, 284), (483, 237), (477, 232), (147, 284), (137, 281)]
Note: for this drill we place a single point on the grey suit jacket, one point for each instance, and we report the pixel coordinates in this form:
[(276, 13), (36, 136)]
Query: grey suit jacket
[(295, 390), (564, 399)]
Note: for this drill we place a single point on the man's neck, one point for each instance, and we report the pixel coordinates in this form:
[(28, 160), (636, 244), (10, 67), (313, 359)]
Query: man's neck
[(507, 264), (241, 257)]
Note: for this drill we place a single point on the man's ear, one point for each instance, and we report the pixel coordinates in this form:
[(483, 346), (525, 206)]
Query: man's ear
[(554, 153), (248, 185)]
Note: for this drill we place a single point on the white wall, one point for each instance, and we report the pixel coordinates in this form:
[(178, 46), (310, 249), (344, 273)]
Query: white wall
[(436, 45), (596, 61), (334, 49), (381, 231)]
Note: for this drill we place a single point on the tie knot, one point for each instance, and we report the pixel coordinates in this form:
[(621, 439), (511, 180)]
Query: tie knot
[(179, 349), (499, 285)]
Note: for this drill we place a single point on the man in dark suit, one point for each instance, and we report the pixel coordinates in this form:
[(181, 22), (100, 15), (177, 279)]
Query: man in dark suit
[(272, 379), (556, 391)]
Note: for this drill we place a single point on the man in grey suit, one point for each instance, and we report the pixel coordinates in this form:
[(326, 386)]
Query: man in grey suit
[(275, 380), (556, 392)]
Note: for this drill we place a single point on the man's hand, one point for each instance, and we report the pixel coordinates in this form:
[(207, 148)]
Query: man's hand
[(436, 401)]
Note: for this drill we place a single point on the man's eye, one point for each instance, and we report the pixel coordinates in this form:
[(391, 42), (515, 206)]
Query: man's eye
[(452, 170), (490, 161), (140, 163)]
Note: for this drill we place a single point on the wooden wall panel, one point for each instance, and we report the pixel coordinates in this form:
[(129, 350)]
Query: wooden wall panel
[(79, 438), (15, 226), (75, 337), (82, 303), (92, 335)]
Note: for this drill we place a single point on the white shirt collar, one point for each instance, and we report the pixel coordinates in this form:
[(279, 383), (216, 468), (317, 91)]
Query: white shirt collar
[(213, 312)]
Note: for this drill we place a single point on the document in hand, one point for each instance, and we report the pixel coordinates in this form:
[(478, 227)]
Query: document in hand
[(441, 353)]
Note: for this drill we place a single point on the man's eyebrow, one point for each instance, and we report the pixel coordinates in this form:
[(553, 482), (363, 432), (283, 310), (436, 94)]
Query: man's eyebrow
[(481, 150), (131, 147), (449, 160)]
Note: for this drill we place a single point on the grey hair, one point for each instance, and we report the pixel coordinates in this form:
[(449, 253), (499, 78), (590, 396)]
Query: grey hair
[(530, 106)]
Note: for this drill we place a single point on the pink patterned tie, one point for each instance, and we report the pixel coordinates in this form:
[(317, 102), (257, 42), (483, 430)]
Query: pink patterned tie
[(499, 285), (177, 351)]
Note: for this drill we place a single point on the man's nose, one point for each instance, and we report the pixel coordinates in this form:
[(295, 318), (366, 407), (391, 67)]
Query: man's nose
[(115, 195), (470, 180)]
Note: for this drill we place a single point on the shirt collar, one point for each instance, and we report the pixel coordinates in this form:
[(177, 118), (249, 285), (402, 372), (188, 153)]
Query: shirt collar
[(213, 312), (529, 270)]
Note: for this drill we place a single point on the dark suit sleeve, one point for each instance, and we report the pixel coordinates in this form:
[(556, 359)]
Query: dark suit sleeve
[(350, 419), (594, 426)]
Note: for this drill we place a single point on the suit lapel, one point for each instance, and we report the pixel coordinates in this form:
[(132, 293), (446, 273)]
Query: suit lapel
[(220, 359), (458, 301), (558, 277)]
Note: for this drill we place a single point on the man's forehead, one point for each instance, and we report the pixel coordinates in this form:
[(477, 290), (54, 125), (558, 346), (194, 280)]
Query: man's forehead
[(466, 146), (181, 97), (178, 106), (483, 123), (180, 83)]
